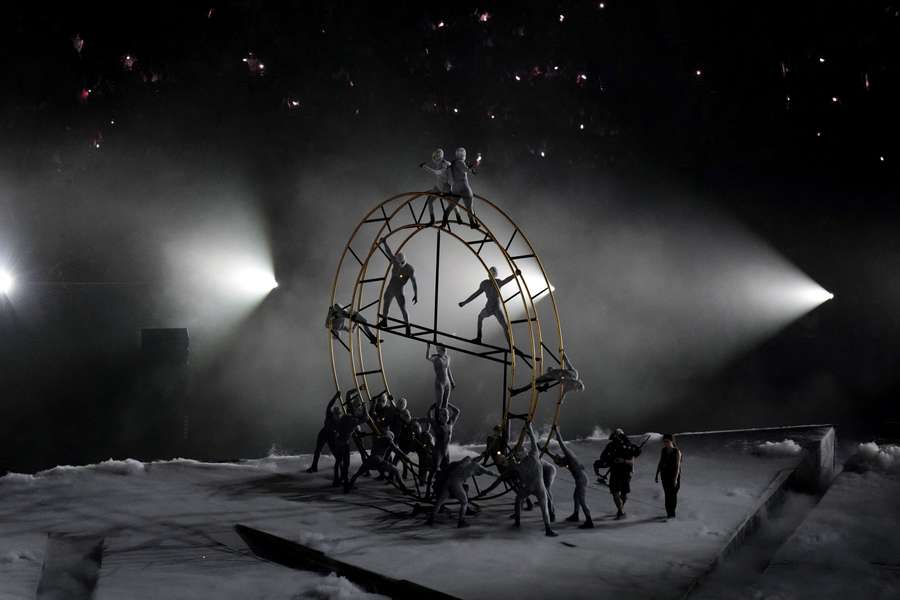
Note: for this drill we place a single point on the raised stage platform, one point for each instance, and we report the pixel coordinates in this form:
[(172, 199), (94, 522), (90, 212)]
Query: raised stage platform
[(167, 529)]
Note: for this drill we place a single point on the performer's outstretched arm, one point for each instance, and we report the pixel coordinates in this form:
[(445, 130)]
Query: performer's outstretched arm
[(332, 401), (477, 293), (503, 282), (387, 250)]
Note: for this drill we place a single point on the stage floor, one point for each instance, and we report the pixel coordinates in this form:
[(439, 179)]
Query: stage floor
[(168, 528)]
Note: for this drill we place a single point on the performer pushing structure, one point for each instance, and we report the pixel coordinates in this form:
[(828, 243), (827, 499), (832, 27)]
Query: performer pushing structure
[(440, 168), (491, 289), (529, 474), (452, 484), (378, 459), (326, 434), (570, 461), (442, 421), (443, 376), (338, 318), (343, 437), (401, 272)]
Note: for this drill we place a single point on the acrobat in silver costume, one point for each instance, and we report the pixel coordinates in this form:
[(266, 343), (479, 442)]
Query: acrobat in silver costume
[(440, 168), (491, 290), (570, 461), (338, 318), (530, 478), (452, 485), (460, 190), (401, 272), (443, 376)]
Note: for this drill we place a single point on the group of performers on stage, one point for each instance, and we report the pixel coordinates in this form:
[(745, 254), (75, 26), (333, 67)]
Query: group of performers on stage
[(422, 444)]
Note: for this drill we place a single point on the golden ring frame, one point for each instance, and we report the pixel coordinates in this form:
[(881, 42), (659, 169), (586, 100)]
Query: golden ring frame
[(397, 216)]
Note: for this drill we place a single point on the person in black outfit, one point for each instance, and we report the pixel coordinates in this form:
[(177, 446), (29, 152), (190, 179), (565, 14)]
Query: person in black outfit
[(618, 456), (669, 469)]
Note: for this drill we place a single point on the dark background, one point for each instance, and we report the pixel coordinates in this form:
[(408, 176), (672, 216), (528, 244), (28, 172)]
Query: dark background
[(638, 216)]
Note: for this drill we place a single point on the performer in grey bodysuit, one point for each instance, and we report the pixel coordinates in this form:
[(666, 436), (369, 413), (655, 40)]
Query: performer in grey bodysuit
[(570, 461), (460, 189), (338, 320), (442, 422), (378, 459), (401, 272), (491, 290), (443, 376), (452, 485), (440, 168), (530, 475), (567, 378)]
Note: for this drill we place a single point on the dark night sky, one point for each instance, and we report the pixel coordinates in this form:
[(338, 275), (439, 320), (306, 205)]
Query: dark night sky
[(690, 110)]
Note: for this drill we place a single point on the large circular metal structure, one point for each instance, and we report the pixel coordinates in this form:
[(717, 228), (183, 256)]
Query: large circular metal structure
[(534, 339)]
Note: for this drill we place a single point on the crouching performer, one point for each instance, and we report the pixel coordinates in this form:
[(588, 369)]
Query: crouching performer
[(570, 461), (451, 483), (378, 460), (529, 475)]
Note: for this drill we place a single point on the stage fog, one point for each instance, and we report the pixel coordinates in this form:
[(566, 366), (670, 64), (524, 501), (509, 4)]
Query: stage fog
[(659, 293)]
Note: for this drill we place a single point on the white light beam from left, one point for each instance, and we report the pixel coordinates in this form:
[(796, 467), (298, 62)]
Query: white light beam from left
[(7, 282)]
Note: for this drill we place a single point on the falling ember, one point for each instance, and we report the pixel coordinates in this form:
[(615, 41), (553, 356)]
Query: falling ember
[(821, 60), (562, 18), (881, 158), (128, 61), (543, 154), (784, 69), (866, 81), (484, 17), (517, 78), (536, 71), (210, 13), (580, 79), (77, 43), (84, 95), (601, 6), (818, 134), (97, 141), (440, 25), (492, 115), (698, 73), (834, 99), (455, 111), (581, 126)]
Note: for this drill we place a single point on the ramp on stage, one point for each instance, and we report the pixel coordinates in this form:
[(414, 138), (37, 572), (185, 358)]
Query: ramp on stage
[(169, 527)]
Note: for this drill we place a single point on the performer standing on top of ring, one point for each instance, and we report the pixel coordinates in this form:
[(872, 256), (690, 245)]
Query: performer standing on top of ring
[(491, 289), (459, 187), (401, 272), (440, 168)]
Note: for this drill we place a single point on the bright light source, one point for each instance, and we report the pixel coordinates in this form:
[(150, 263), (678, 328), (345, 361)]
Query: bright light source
[(7, 283), (253, 281)]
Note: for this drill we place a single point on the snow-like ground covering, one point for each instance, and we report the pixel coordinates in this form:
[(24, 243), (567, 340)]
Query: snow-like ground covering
[(846, 546), (786, 447), (168, 529)]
